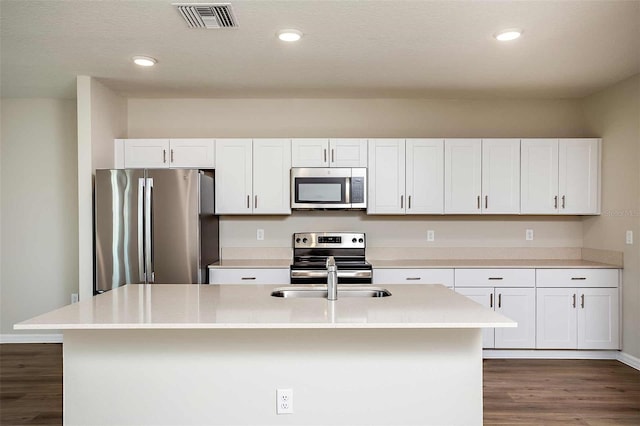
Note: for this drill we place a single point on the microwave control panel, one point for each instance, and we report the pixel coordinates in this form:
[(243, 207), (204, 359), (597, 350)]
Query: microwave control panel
[(357, 189)]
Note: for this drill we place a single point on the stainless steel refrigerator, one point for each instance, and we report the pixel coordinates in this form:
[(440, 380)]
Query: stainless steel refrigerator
[(153, 226)]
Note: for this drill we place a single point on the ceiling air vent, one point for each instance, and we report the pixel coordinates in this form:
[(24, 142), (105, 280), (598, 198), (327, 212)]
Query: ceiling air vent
[(207, 15)]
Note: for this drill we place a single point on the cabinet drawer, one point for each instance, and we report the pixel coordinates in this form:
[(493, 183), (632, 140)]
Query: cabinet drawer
[(577, 277), (413, 276), (248, 276), (495, 277)]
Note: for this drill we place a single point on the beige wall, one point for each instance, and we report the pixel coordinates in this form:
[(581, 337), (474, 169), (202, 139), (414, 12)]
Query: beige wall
[(614, 114), (39, 208), (373, 118)]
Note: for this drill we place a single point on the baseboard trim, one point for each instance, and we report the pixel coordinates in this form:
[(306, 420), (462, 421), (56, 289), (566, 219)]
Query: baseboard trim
[(548, 354), (30, 338), (630, 360)]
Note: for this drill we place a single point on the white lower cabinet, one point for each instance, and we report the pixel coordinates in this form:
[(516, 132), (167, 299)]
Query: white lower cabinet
[(413, 276), (249, 276), (518, 304), (577, 318)]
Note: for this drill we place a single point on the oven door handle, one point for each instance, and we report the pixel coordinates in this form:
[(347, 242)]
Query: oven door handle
[(321, 273)]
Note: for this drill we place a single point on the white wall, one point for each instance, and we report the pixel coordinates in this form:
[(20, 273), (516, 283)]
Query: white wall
[(614, 114), (373, 118), (39, 208)]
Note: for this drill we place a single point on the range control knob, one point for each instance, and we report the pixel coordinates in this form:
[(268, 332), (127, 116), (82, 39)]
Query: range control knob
[(304, 240), (361, 240), (297, 240), (354, 240)]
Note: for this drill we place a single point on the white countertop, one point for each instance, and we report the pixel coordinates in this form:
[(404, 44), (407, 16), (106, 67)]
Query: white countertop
[(491, 263), (185, 306)]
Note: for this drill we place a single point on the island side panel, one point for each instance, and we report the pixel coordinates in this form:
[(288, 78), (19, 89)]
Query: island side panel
[(230, 377)]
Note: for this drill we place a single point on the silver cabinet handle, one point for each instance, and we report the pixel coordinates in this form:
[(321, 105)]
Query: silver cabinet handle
[(574, 300), (582, 301), (255, 202), (563, 201), (500, 300), (409, 201), (248, 198), (413, 278), (555, 202), (248, 278), (164, 155), (325, 155), (333, 159), (486, 201), (578, 278), (495, 278), (172, 155), (402, 201), (491, 300), (478, 202)]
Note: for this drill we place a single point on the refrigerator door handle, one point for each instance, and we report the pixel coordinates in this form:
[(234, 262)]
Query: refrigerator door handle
[(148, 225), (141, 245)]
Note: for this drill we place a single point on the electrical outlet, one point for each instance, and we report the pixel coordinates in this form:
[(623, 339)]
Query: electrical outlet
[(74, 298), (284, 401), (431, 235), (629, 237), (260, 235), (528, 234)]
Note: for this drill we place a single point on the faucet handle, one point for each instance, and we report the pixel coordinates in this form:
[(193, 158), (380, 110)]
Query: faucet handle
[(331, 261)]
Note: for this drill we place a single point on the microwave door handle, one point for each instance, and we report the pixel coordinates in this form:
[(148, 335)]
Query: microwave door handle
[(347, 192)]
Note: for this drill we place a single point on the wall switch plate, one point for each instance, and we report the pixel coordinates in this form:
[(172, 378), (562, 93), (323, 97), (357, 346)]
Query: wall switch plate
[(431, 235), (528, 234), (629, 237), (74, 298), (260, 235), (284, 401)]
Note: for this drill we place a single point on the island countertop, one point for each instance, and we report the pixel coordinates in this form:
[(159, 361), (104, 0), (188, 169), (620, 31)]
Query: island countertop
[(183, 306)]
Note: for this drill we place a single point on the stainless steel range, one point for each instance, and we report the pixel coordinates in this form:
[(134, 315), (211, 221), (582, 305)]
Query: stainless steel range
[(311, 250)]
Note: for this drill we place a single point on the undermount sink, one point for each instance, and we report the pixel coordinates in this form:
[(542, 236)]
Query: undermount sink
[(321, 291)]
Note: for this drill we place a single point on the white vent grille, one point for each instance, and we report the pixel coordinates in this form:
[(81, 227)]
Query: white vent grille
[(207, 15)]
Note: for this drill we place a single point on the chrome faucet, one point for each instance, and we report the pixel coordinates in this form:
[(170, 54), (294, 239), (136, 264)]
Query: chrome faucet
[(332, 279)]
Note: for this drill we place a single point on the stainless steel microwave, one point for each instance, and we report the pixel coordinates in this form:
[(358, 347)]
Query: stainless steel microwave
[(328, 188)]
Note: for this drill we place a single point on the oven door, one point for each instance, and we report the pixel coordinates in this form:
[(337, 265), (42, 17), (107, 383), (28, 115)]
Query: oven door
[(319, 276), (320, 188)]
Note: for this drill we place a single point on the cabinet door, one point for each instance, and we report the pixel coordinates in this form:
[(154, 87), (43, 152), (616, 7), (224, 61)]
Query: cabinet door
[(539, 176), (501, 176), (248, 276), (233, 176), (556, 319), (462, 175), (384, 276), (579, 164), (271, 176), (598, 318), (192, 153), (425, 176), (348, 152), (519, 304), (483, 296), (386, 176), (310, 153), (146, 153)]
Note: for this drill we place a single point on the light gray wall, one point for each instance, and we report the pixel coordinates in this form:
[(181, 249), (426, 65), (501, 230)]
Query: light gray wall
[(614, 114), (39, 207)]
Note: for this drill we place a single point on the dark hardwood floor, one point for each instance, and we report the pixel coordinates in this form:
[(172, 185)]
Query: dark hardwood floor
[(516, 392)]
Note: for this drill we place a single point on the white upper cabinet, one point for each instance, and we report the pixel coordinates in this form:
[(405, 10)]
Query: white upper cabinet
[(386, 180), (560, 176), (424, 176), (462, 176), (192, 153), (329, 152), (271, 176), (146, 153), (252, 176), (500, 176), (165, 153), (234, 173)]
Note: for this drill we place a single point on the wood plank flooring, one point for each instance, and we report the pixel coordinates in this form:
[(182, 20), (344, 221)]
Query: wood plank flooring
[(516, 392)]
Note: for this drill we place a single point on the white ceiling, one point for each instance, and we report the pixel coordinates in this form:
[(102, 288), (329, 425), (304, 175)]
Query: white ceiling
[(392, 48)]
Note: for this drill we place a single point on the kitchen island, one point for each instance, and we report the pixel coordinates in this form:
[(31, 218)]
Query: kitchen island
[(215, 355)]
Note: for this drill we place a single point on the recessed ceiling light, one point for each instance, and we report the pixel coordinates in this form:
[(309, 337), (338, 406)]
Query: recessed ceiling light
[(289, 35), (144, 61), (508, 35)]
